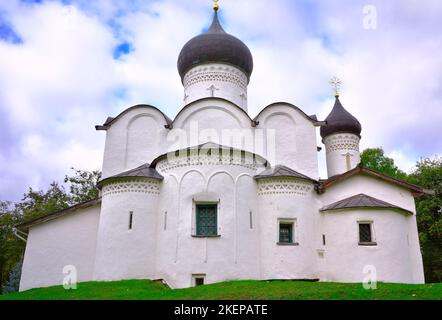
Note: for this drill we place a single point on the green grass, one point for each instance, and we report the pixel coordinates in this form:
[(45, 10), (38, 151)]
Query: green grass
[(235, 290)]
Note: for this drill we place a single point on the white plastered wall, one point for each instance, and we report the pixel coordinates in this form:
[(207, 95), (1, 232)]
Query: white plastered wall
[(295, 138), (216, 80), (289, 200), (135, 138), (69, 240), (233, 255), (397, 257), (342, 153), (124, 253)]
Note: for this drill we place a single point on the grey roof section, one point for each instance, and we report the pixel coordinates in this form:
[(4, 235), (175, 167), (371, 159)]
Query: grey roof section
[(74, 209), (282, 172), (215, 45), (362, 201), (144, 171), (208, 147), (340, 121), (312, 118), (111, 120), (108, 121), (360, 169)]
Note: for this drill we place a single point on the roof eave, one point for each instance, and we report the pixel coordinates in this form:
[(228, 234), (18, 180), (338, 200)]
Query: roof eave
[(415, 190), (260, 177), (101, 183), (28, 224), (408, 212)]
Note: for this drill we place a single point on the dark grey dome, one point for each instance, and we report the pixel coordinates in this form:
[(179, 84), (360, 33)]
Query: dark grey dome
[(340, 121), (215, 46)]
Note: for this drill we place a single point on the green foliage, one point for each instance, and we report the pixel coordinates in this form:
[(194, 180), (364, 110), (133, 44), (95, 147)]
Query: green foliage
[(35, 204), (11, 247), (375, 159), (428, 174), (234, 290), (13, 283), (39, 203), (83, 186)]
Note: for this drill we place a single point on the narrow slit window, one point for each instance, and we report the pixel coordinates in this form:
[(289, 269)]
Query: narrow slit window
[(165, 221), (323, 240), (131, 220), (251, 219)]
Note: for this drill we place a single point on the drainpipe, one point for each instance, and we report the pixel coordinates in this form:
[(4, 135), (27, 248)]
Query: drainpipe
[(16, 233)]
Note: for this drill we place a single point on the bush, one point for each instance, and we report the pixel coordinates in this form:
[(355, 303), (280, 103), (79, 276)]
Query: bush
[(13, 283)]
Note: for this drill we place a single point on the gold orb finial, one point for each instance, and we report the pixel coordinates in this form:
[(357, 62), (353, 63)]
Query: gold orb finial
[(336, 85), (215, 5)]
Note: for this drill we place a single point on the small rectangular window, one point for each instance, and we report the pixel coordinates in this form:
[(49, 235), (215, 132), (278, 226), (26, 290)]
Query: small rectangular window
[(199, 282), (165, 221), (198, 279), (366, 233), (323, 239), (206, 220), (285, 233), (131, 219)]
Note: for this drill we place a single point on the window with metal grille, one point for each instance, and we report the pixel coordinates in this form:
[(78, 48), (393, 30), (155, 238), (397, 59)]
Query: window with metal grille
[(286, 233), (365, 233), (206, 220)]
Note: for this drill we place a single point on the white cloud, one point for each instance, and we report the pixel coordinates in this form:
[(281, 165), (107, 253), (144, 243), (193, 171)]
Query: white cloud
[(62, 80)]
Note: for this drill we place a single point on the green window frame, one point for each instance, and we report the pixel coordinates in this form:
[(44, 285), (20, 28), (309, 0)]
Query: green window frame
[(206, 220)]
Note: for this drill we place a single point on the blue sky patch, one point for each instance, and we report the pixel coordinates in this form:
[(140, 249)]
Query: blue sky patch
[(32, 1), (122, 49), (8, 34)]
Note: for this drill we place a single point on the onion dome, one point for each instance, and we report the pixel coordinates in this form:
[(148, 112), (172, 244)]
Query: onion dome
[(215, 46), (340, 121)]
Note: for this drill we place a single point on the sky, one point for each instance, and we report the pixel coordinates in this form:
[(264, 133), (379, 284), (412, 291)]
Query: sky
[(66, 65)]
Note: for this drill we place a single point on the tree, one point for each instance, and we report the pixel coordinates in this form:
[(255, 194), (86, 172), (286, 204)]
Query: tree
[(428, 174), (83, 185), (10, 246), (375, 159), (13, 283), (35, 204)]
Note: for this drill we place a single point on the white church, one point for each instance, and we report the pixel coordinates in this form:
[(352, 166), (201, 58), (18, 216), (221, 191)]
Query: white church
[(215, 195)]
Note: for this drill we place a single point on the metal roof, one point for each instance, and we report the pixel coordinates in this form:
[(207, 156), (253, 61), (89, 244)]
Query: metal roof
[(215, 46), (209, 148), (144, 171), (340, 121), (362, 201), (360, 169), (282, 172), (74, 209)]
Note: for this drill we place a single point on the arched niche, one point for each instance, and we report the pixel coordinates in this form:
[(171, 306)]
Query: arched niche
[(143, 138)]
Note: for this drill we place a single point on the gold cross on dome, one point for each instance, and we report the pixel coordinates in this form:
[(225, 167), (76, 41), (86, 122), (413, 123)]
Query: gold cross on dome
[(336, 85), (215, 5)]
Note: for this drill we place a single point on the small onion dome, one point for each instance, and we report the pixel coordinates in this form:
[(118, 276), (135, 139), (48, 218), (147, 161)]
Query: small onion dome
[(215, 46), (340, 121)]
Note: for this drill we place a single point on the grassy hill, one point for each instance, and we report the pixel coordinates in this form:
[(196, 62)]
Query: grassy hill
[(235, 290)]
